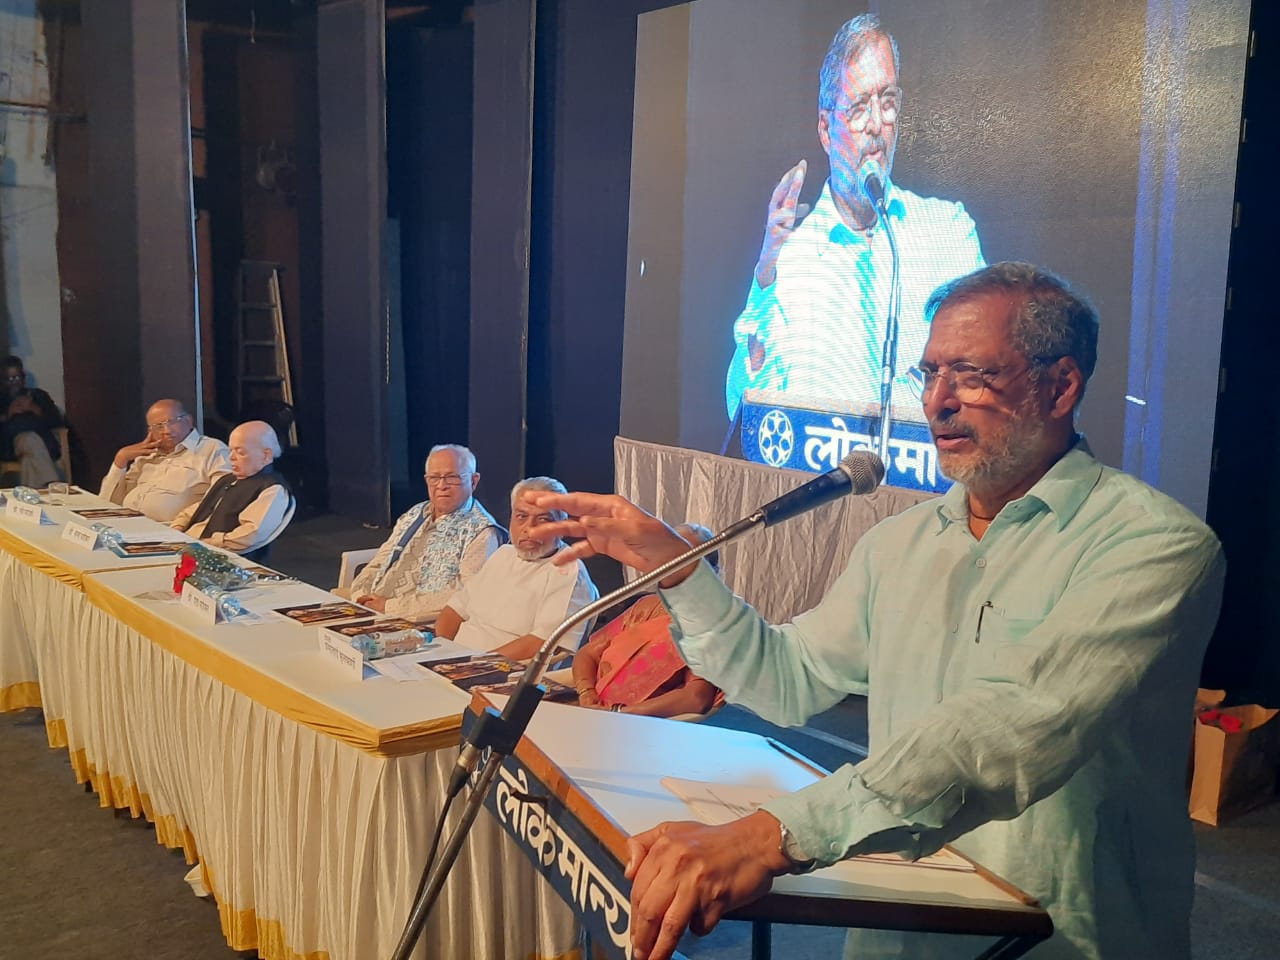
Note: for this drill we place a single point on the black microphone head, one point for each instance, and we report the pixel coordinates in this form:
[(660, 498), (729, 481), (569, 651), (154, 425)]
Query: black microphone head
[(865, 470), (871, 182)]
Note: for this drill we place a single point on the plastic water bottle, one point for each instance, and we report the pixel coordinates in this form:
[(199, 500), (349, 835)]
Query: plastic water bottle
[(391, 643), (228, 605), (108, 534), (26, 495)]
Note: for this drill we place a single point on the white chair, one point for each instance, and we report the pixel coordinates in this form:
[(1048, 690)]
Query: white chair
[(352, 562)]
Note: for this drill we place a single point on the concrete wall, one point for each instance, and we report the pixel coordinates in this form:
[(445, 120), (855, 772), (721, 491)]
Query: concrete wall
[(28, 201)]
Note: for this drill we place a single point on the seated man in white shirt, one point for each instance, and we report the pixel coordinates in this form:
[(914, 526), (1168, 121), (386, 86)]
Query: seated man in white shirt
[(520, 596), (436, 545), (169, 470), (245, 508)]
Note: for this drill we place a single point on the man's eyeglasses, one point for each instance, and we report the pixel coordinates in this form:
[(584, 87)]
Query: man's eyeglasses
[(16, 377), (858, 113), (442, 479), (967, 381), (165, 424)]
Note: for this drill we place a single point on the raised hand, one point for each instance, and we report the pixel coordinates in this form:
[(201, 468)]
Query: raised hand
[(784, 216), (127, 454), (611, 526)]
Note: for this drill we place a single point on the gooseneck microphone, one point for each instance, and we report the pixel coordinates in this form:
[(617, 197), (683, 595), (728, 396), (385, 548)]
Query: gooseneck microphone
[(859, 472), (494, 736)]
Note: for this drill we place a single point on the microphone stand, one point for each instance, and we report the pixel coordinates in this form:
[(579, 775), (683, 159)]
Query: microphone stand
[(498, 734), (889, 352)]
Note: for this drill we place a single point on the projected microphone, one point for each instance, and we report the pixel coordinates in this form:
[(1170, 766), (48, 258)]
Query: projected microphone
[(871, 183), (860, 472)]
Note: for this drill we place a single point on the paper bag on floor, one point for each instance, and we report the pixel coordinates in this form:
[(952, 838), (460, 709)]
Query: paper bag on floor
[(1237, 753)]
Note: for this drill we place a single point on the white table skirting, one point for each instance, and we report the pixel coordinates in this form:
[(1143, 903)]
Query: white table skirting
[(311, 846)]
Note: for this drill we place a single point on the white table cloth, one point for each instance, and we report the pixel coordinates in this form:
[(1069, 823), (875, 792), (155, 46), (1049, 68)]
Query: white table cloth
[(307, 797)]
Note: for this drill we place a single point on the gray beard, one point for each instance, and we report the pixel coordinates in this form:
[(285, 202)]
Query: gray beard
[(1000, 469), (531, 555)]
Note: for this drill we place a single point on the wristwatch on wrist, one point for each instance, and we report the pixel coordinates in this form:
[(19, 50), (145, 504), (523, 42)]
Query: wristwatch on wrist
[(791, 850)]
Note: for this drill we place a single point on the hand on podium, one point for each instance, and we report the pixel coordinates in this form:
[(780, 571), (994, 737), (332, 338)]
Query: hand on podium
[(687, 875)]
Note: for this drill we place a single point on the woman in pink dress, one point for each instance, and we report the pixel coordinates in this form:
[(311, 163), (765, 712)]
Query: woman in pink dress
[(631, 664)]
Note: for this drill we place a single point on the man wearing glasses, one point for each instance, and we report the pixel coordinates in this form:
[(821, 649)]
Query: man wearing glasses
[(1029, 643), (168, 470), (814, 322), (436, 546), (28, 417), (520, 596)]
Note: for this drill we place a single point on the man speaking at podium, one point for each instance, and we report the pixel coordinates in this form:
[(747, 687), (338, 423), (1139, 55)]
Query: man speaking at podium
[(1030, 643), (814, 321)]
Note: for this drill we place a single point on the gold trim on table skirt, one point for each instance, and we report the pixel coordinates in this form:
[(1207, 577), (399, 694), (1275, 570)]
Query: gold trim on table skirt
[(20, 696), (284, 700), (45, 563)]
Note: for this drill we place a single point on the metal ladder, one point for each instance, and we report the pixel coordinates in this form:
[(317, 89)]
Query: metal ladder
[(262, 354)]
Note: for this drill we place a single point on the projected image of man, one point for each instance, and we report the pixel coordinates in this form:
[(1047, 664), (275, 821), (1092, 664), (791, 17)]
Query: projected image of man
[(814, 322)]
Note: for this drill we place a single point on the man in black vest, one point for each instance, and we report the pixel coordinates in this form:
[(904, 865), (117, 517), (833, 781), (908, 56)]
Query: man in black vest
[(245, 508)]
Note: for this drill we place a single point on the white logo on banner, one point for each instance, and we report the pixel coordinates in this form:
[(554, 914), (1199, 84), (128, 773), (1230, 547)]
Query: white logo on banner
[(776, 438)]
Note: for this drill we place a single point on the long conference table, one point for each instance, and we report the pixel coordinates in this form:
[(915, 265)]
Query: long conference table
[(307, 797)]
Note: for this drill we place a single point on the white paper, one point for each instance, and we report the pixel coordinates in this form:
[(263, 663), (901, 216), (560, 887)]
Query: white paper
[(400, 668), (441, 649), (205, 607), (86, 538), (26, 512), (716, 803)]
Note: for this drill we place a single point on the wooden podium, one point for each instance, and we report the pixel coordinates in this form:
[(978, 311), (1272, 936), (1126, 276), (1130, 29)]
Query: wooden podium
[(581, 781)]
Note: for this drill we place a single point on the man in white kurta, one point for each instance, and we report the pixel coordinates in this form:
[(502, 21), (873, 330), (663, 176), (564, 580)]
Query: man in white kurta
[(520, 596), (170, 469)]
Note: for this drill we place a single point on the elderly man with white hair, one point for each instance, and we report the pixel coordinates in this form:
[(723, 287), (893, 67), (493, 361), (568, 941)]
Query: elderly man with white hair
[(436, 545), (520, 596), (243, 509)]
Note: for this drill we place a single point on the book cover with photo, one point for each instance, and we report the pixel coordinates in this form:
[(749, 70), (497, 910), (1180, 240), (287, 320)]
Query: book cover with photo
[(557, 692), (146, 548), (388, 625), (312, 614), (106, 513), (487, 668)]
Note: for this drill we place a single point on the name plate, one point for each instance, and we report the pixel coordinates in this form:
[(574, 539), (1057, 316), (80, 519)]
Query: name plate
[(15, 509), (204, 606), (81, 536), (339, 651)]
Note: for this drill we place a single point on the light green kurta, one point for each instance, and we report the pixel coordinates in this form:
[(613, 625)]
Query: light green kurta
[(1030, 698)]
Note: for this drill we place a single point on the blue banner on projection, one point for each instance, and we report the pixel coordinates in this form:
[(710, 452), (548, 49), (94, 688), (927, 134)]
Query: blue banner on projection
[(817, 441)]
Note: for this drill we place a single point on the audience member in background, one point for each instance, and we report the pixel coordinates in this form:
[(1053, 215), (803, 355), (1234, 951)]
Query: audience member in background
[(631, 665), (244, 509), (172, 468), (436, 546), (28, 417), (519, 596)]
